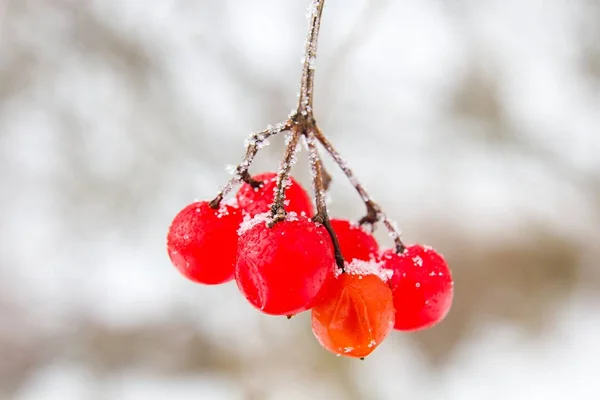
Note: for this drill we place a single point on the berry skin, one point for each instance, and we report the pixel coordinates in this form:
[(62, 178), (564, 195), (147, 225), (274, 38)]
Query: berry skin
[(422, 287), (356, 317), (354, 242), (259, 200), (202, 242), (281, 270)]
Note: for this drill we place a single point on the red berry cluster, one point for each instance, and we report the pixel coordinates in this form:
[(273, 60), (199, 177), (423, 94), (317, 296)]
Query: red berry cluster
[(288, 265)]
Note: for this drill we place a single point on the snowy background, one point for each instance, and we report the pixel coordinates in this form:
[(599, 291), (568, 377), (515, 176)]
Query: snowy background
[(474, 123)]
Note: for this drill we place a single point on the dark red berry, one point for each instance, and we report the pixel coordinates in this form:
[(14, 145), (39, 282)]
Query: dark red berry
[(422, 287), (281, 270), (355, 243), (259, 200), (202, 242)]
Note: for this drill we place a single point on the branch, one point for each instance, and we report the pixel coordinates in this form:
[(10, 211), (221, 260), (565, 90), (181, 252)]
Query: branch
[(322, 216), (374, 211), (255, 142)]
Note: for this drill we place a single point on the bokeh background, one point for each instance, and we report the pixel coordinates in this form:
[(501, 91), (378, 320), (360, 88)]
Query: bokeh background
[(474, 123)]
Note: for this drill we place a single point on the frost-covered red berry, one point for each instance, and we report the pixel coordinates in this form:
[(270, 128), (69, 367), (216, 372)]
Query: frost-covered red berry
[(422, 287), (258, 200), (281, 269), (202, 242), (356, 316), (354, 242)]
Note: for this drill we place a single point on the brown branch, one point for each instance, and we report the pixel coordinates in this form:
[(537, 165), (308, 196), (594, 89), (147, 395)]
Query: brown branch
[(277, 208), (254, 143), (374, 211), (322, 216)]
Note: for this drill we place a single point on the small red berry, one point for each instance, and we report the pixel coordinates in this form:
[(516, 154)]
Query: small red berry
[(422, 287), (202, 242), (356, 317), (259, 200), (355, 243), (282, 269)]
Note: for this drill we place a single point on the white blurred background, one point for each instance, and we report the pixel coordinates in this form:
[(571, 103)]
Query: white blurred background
[(474, 123)]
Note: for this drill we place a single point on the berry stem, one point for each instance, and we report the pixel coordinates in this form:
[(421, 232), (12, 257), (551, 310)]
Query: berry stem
[(322, 216), (254, 143), (278, 208), (305, 101), (374, 211)]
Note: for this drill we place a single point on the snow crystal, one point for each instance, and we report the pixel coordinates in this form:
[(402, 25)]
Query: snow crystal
[(312, 9), (223, 211), (372, 267), (250, 222), (291, 216), (372, 343), (432, 274), (231, 169), (418, 261), (348, 349), (232, 202)]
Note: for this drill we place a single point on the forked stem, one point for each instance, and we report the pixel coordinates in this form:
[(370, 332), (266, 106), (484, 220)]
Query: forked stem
[(254, 143)]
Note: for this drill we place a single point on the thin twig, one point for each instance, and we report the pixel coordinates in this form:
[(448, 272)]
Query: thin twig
[(322, 216), (278, 208), (374, 211), (254, 143)]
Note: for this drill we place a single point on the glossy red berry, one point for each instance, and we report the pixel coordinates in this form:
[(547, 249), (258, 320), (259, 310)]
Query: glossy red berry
[(422, 287), (356, 316), (355, 243), (259, 200), (202, 242), (282, 269)]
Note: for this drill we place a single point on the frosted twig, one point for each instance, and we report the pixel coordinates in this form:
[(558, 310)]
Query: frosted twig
[(254, 143), (305, 102), (322, 217), (374, 211), (277, 208)]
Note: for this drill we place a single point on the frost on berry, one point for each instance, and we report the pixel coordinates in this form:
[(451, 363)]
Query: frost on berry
[(355, 242), (371, 267), (259, 200), (202, 242), (422, 287), (250, 221), (355, 317), (282, 269)]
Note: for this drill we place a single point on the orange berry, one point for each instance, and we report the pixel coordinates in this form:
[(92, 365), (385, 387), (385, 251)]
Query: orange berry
[(356, 315)]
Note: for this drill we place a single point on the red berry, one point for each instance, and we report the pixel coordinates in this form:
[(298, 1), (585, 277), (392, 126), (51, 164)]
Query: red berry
[(282, 269), (356, 317), (202, 242), (259, 200), (422, 286), (354, 242)]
